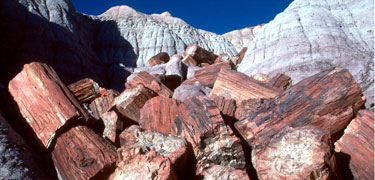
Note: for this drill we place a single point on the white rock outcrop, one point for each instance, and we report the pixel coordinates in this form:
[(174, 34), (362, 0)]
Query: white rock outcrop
[(241, 38), (311, 36)]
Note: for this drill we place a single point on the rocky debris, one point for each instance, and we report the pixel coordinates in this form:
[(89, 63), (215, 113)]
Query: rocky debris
[(173, 147), (310, 37), (44, 101), (160, 58), (113, 125), (185, 91), (328, 100), (280, 81), (358, 143), (85, 90), (149, 82), (130, 102), (296, 153), (102, 104), (218, 172), (261, 77), (17, 161), (82, 154), (243, 37), (207, 75), (199, 54), (222, 58), (148, 167)]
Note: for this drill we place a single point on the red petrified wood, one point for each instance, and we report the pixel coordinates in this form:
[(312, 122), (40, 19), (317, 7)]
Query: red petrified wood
[(199, 54), (85, 90), (358, 142), (150, 82), (280, 81), (160, 58), (82, 154), (102, 104), (327, 100), (44, 101), (300, 153)]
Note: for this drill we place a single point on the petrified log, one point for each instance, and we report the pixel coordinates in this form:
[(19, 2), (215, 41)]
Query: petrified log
[(218, 172), (280, 81), (261, 77), (327, 100), (130, 102), (358, 142), (150, 82), (185, 91), (238, 86), (226, 106), (148, 166), (17, 160), (207, 75), (82, 154), (160, 58), (102, 104), (85, 90), (173, 147), (113, 125), (198, 121), (44, 101), (300, 153), (242, 53), (247, 107), (199, 54)]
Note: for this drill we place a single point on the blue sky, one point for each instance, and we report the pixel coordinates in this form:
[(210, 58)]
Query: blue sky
[(219, 16)]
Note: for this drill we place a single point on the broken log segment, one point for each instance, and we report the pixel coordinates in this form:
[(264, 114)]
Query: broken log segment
[(85, 90), (150, 82), (280, 81), (358, 142), (296, 153), (160, 58), (327, 100), (80, 154), (102, 104), (199, 54), (44, 101)]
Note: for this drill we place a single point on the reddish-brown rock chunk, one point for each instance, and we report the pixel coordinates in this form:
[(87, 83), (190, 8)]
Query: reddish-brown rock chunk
[(82, 154), (160, 58), (150, 82), (102, 104), (280, 81), (113, 125), (189, 61), (44, 101), (199, 54), (327, 100), (85, 90), (358, 142), (246, 108), (300, 153)]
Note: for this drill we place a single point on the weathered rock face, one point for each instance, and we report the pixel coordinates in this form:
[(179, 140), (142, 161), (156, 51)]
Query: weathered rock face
[(243, 37), (358, 142), (172, 35), (218, 172), (311, 36)]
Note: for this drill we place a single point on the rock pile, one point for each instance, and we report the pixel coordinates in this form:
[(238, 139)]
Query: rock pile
[(217, 124)]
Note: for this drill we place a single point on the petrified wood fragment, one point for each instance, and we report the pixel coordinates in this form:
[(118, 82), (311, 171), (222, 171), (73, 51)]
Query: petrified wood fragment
[(44, 101), (280, 81), (226, 106), (238, 86), (207, 75), (148, 167), (358, 142), (82, 154), (150, 82), (296, 153), (242, 53), (85, 90), (218, 172), (160, 58), (222, 58), (185, 91), (247, 107), (261, 77), (189, 60), (327, 100), (199, 54), (102, 104), (130, 102), (113, 125)]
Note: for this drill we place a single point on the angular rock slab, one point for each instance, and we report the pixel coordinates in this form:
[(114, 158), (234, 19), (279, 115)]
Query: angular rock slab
[(358, 142), (82, 154), (113, 125), (296, 153), (85, 90), (150, 82), (102, 104), (44, 101), (148, 167), (327, 100)]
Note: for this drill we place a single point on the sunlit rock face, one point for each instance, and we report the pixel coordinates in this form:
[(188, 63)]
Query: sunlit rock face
[(241, 38), (152, 34), (310, 36)]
